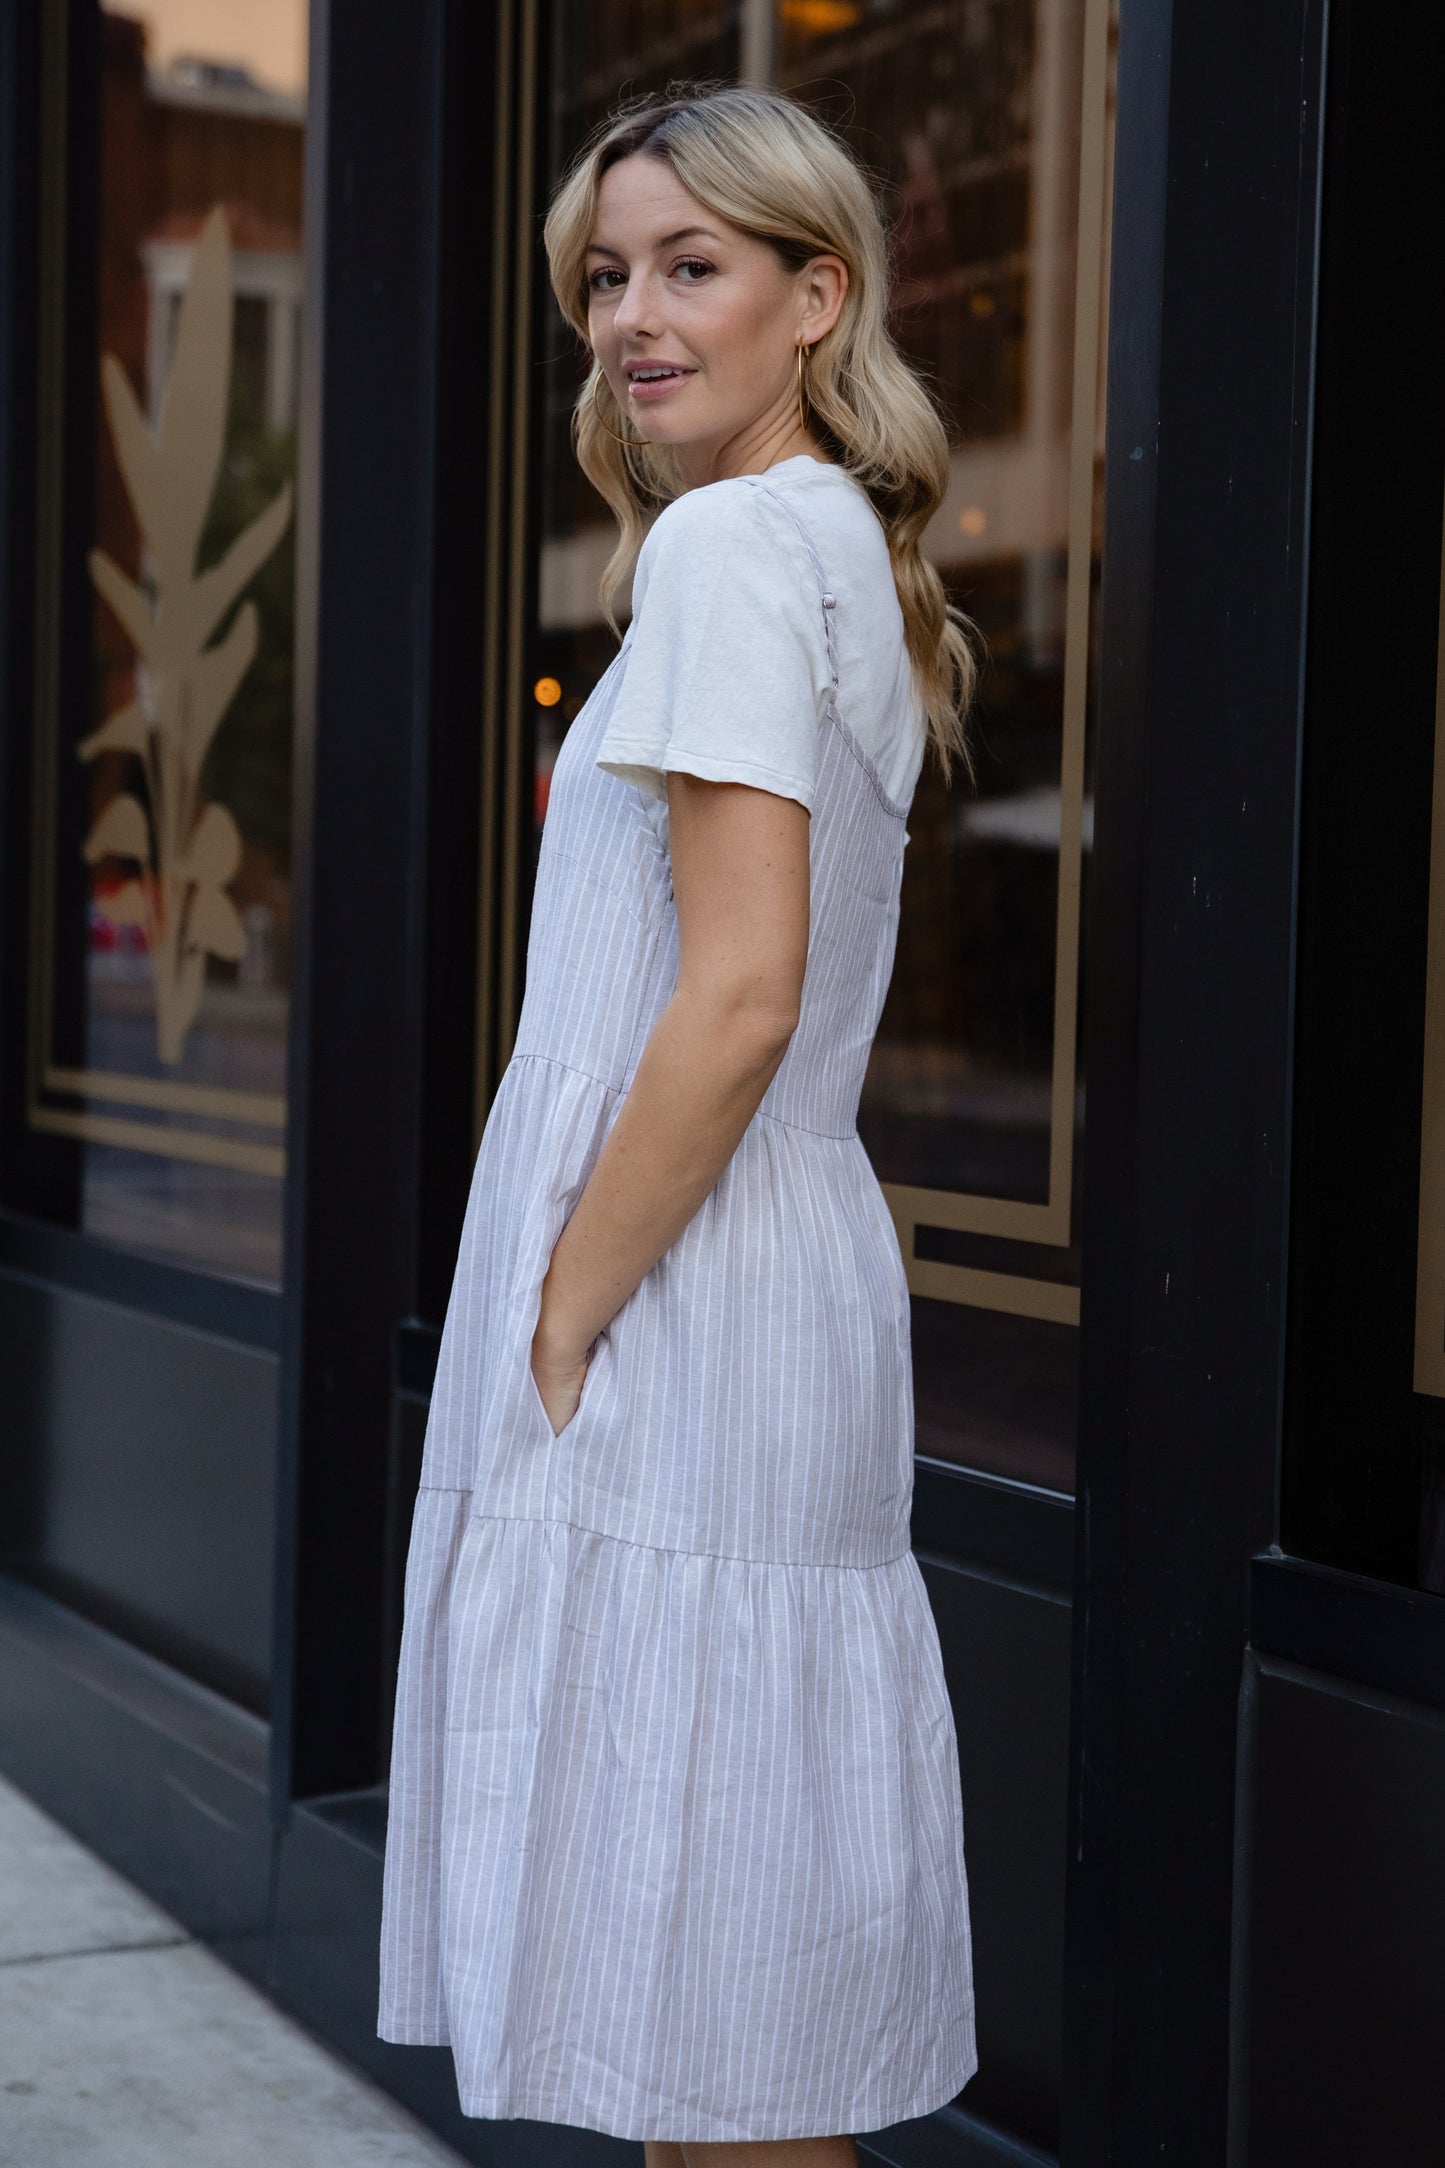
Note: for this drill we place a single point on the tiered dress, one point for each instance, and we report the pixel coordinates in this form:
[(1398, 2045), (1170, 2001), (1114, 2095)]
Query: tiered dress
[(676, 1832)]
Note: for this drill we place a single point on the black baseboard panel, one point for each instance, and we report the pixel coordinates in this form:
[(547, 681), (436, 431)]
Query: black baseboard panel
[(1006, 1656), (158, 1776), (951, 2139), (1339, 1991), (1349, 1626), (139, 1480)]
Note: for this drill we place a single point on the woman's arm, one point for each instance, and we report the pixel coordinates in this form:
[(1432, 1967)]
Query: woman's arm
[(740, 887)]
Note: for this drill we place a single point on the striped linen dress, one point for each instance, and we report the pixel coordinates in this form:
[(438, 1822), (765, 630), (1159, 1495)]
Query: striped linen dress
[(675, 1846)]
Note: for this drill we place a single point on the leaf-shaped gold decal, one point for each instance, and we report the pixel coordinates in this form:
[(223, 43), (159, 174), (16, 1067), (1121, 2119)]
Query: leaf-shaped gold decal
[(121, 832), (213, 854), (135, 447), (216, 923), (189, 852), (207, 599), (127, 731), (192, 435), (126, 599), (214, 682)]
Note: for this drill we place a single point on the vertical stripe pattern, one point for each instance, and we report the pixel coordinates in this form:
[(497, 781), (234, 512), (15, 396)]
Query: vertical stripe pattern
[(675, 1846)]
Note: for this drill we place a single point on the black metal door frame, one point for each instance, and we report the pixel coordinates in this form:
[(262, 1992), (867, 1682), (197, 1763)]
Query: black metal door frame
[(1186, 1195)]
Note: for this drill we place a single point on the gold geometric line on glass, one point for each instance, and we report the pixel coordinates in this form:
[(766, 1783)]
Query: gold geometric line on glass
[(1055, 1301), (1013, 1219), (523, 483), (485, 1064), (186, 852), (1430, 1248), (259, 1110), (50, 342), (189, 1144), (509, 480), (1010, 1218)]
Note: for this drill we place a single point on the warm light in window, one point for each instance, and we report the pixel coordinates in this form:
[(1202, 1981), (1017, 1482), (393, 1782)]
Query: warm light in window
[(982, 303), (973, 519), (546, 692), (816, 18)]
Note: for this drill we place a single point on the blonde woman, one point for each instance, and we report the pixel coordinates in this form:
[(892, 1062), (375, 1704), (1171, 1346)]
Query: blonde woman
[(676, 1837)]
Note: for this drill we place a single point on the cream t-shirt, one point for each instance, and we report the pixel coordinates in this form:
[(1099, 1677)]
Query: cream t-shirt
[(727, 674)]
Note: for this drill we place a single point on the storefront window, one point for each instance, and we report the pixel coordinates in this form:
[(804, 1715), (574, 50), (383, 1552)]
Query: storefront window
[(988, 125), (171, 268)]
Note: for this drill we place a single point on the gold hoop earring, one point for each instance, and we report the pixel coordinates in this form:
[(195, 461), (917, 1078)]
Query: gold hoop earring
[(633, 443), (802, 417)]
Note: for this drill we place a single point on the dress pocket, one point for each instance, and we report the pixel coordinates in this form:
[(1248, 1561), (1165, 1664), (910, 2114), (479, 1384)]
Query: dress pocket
[(526, 1305), (534, 1397), (538, 1405)]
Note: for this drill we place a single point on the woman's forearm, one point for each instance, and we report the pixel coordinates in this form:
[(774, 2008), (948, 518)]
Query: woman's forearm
[(700, 1080)]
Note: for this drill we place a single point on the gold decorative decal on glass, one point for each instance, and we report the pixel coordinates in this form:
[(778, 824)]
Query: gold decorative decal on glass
[(1430, 1254), (185, 850), (1024, 509), (171, 289)]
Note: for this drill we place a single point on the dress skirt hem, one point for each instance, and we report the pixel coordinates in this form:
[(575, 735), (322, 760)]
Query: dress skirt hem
[(665, 2123), (690, 1832)]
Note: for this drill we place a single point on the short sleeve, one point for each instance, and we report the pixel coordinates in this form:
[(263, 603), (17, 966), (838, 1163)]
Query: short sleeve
[(727, 674)]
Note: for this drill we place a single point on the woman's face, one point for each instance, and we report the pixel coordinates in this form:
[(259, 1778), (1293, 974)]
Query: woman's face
[(670, 283)]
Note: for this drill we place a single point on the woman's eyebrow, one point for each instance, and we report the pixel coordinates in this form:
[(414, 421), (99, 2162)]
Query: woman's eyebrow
[(683, 233)]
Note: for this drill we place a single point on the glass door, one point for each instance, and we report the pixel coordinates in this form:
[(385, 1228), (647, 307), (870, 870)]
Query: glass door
[(987, 124)]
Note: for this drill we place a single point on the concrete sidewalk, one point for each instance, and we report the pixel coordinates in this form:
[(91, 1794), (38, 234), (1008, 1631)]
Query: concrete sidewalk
[(126, 2044)]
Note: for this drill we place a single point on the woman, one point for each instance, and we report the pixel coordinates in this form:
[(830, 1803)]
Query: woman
[(676, 1836)]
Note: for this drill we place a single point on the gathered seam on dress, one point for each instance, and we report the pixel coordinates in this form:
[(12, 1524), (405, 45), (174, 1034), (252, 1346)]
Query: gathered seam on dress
[(589, 1076), (678, 1550)]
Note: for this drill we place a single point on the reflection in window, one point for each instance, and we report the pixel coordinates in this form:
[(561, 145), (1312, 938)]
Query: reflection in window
[(598, 51), (163, 957), (975, 118)]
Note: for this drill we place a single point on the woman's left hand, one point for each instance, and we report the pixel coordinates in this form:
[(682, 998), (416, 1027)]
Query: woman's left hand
[(559, 1382)]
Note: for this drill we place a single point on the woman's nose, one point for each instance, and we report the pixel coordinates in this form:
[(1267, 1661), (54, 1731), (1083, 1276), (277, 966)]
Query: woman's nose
[(636, 307)]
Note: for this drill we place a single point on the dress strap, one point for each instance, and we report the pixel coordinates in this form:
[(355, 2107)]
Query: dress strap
[(825, 596)]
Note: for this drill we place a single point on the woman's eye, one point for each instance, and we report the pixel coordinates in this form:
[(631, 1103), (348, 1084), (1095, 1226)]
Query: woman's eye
[(692, 269)]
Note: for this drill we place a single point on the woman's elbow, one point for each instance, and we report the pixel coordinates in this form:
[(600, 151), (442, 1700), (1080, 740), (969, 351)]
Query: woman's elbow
[(768, 1027), (750, 1026)]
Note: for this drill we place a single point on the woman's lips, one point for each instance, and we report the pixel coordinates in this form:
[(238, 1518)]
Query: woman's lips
[(648, 389)]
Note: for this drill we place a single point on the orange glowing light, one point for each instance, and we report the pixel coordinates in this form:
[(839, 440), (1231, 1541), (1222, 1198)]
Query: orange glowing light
[(546, 692), (819, 18)]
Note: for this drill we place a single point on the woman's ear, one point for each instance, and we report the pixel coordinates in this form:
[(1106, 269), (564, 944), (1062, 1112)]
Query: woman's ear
[(826, 280)]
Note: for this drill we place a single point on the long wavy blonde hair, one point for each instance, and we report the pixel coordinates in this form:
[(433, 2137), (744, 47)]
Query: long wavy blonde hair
[(766, 164)]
